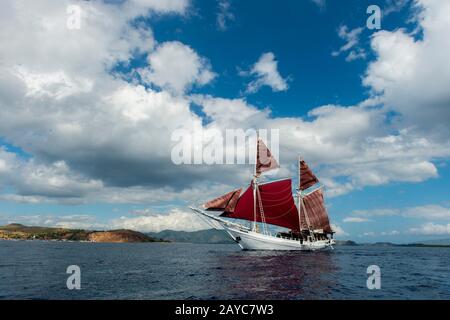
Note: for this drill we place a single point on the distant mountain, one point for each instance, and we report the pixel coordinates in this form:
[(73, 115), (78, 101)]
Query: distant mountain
[(17, 231), (212, 236)]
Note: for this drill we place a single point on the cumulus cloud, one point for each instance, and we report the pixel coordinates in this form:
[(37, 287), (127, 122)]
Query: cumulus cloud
[(174, 220), (177, 67), (34, 180), (265, 70), (351, 47), (411, 73)]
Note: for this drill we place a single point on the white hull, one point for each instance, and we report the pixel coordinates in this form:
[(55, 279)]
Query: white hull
[(251, 240)]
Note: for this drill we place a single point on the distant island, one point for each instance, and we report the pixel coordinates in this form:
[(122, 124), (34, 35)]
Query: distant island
[(17, 231)]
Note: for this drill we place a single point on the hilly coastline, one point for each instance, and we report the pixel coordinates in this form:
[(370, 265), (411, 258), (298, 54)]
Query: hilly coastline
[(17, 231)]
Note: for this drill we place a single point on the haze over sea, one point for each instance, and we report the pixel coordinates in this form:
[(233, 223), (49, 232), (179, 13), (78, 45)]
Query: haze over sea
[(37, 270)]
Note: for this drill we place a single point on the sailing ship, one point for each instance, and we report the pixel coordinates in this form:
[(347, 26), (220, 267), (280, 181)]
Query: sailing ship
[(265, 205)]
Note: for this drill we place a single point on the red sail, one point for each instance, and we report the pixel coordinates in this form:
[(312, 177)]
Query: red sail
[(264, 159), (314, 206), (307, 177), (224, 203), (277, 201)]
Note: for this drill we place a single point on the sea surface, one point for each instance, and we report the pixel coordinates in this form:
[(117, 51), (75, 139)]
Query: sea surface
[(37, 270)]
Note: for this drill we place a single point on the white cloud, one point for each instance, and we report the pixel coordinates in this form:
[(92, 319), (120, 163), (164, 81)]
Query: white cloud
[(177, 67), (73, 221), (266, 72), (411, 73), (352, 44), (376, 212), (431, 229), (428, 212), (432, 211), (355, 219), (174, 220), (338, 230), (163, 6), (54, 84), (224, 16), (390, 233)]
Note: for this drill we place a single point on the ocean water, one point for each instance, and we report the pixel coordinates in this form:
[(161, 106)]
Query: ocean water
[(37, 270)]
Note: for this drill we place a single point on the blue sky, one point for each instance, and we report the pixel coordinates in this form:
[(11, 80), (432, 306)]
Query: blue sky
[(85, 129)]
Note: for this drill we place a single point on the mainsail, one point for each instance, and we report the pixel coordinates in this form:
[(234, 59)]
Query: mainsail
[(277, 204), (307, 177), (264, 159), (225, 203)]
